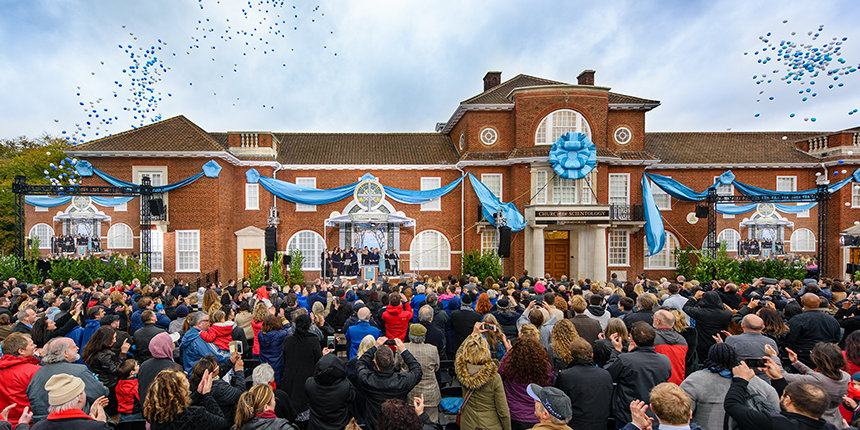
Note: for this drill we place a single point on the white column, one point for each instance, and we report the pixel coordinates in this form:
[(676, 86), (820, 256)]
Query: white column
[(537, 268), (600, 253)]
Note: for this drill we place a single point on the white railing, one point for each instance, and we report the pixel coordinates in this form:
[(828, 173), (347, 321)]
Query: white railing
[(856, 139), (817, 143), (249, 140)]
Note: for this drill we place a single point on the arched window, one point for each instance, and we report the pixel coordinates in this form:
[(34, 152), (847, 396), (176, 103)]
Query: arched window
[(802, 240), (44, 232), (559, 122), (120, 236), (665, 259), (311, 244), (731, 238), (430, 250)]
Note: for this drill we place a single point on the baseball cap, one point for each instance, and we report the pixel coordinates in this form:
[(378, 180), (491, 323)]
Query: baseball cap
[(554, 400)]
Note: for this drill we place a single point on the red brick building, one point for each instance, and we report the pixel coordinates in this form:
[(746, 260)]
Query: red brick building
[(502, 136)]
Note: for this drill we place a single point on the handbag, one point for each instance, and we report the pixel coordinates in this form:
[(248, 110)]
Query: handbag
[(465, 399)]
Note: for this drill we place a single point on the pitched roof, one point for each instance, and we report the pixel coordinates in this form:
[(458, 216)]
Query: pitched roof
[(366, 148), (728, 147), (499, 93), (172, 134)]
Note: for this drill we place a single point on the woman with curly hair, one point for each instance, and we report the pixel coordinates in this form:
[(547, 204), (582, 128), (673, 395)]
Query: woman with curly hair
[(484, 403), (484, 305), (210, 298), (499, 343), (258, 316), (395, 414), (167, 403), (529, 330), (563, 334), (561, 304), (526, 363)]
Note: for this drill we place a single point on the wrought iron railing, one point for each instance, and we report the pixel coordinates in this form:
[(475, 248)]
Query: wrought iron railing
[(626, 213)]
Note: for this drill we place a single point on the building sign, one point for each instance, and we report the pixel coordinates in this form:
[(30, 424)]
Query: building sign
[(571, 215), (369, 194)]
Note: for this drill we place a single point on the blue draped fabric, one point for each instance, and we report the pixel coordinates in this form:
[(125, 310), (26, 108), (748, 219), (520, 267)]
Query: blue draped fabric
[(654, 222), (298, 193), (211, 169), (417, 197), (49, 202), (490, 204), (573, 155)]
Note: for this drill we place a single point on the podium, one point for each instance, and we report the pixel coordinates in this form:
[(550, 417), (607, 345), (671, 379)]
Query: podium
[(369, 273)]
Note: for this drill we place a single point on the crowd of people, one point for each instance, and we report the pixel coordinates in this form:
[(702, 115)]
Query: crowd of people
[(506, 354)]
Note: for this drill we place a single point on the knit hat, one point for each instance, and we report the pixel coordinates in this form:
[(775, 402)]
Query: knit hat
[(161, 346), (417, 330), (318, 307), (108, 319), (539, 288), (62, 388), (466, 300), (181, 311), (856, 376), (503, 304)]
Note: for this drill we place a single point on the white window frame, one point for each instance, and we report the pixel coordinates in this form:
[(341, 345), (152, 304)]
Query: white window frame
[(731, 187), (137, 173), (559, 185), (43, 244), (311, 262), (626, 248), (252, 197), (179, 251), (549, 136), (855, 195), (626, 177), (794, 243), (112, 239), (156, 249), (501, 189), (721, 239), (431, 183), (121, 208), (667, 255), (490, 241), (541, 191), (310, 182), (416, 252), (655, 190), (40, 209), (804, 214)]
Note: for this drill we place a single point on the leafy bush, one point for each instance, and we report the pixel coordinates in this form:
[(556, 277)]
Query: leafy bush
[(685, 267), (276, 273), (256, 272), (724, 267), (482, 265), (84, 271), (296, 275)]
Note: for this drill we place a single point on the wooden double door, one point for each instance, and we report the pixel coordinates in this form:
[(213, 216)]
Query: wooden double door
[(556, 254)]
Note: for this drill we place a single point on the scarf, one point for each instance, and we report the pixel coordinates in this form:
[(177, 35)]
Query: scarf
[(725, 373)]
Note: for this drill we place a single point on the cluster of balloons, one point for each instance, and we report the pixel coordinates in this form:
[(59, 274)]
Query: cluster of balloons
[(258, 29), (62, 173), (812, 65)]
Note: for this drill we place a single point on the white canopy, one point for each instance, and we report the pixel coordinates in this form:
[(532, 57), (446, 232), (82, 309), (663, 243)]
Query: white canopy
[(369, 217)]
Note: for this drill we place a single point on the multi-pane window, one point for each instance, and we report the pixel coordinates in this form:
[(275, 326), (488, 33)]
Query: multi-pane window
[(120, 236), (431, 184), (489, 241), (311, 245), (789, 183), (587, 188), (619, 189), (156, 179), (663, 201), (156, 249), (731, 238), (430, 250), (855, 195), (564, 190), (121, 208), (493, 181), (724, 190), (540, 187), (187, 250), (558, 123), (802, 240), (619, 245), (665, 259), (310, 183), (44, 232), (252, 197)]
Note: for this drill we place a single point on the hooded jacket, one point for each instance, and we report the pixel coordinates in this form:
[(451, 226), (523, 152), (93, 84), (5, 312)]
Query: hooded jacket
[(381, 385), (329, 394), (487, 407), (16, 373), (82, 335), (194, 348), (272, 350), (711, 317), (671, 344), (397, 320), (598, 313)]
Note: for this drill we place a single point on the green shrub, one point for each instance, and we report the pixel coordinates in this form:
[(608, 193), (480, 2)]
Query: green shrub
[(296, 275), (482, 265)]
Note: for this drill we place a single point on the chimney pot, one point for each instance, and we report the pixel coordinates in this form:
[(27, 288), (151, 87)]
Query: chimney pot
[(492, 79), (586, 78)]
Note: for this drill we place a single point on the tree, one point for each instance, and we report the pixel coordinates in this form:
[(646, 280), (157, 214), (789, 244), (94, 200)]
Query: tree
[(482, 265), (296, 275), (31, 158)]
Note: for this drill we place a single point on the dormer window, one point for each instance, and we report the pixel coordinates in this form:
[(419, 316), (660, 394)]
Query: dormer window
[(560, 122)]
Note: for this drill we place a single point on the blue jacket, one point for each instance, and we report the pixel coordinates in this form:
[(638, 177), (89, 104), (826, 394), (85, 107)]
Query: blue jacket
[(82, 335), (162, 321), (356, 333), (272, 350), (194, 348)]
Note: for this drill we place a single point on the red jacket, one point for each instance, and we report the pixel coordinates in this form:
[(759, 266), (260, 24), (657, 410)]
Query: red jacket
[(221, 334), (397, 320), (671, 344), (15, 374), (128, 397), (256, 326)]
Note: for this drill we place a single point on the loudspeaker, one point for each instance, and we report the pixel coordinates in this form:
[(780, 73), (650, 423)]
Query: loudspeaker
[(156, 207), (271, 242), (504, 241), (701, 211)]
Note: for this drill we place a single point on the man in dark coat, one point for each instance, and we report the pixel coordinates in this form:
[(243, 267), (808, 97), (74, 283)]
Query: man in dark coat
[(463, 321), (434, 336), (636, 372), (329, 394), (645, 310), (378, 379), (811, 327), (588, 386), (711, 318), (145, 334)]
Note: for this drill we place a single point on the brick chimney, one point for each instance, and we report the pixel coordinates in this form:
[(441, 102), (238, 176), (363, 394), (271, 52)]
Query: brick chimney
[(586, 78), (492, 79)]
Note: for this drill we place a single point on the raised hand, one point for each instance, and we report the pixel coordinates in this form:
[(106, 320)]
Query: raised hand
[(5, 414), (26, 416), (743, 371), (640, 418), (792, 356)]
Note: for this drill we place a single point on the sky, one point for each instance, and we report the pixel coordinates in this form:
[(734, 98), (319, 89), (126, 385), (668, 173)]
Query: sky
[(403, 66)]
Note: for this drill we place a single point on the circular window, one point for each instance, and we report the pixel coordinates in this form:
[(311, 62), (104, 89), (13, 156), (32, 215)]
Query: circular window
[(462, 140), (489, 136), (623, 135)]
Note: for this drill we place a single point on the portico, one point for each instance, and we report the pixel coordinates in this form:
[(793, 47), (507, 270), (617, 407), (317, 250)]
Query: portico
[(567, 240)]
